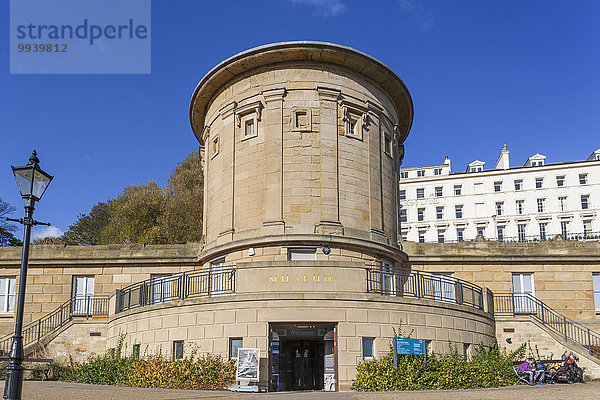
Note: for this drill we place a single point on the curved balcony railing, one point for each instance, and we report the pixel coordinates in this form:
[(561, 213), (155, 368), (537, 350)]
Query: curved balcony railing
[(218, 280), (86, 306), (525, 304), (423, 285)]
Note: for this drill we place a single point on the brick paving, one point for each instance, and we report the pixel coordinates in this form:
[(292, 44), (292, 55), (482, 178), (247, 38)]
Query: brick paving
[(33, 390)]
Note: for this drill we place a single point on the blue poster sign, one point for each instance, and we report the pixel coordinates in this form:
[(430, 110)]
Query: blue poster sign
[(409, 346)]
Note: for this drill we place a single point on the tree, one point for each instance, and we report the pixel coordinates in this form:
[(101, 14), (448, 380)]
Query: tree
[(6, 229), (147, 213), (181, 221), (88, 228), (134, 216)]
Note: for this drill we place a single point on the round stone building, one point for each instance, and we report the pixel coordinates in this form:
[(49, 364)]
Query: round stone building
[(301, 145)]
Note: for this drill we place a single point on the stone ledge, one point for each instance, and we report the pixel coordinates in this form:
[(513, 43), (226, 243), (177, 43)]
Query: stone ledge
[(362, 300)]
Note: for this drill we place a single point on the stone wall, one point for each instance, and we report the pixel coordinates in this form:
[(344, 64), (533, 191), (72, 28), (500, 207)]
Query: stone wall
[(562, 270), (77, 342), (52, 268), (513, 332), (207, 324)]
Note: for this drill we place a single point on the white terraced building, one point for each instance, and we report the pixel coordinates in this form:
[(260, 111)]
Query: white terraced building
[(536, 201)]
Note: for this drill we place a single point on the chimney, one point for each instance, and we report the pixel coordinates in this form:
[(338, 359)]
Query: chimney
[(447, 162), (502, 162)]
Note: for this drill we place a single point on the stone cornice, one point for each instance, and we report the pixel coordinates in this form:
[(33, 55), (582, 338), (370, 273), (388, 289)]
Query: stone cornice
[(108, 255), (351, 299), (345, 242), (314, 52)]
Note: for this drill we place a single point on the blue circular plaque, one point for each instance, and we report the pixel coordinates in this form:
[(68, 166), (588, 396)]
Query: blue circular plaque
[(326, 250)]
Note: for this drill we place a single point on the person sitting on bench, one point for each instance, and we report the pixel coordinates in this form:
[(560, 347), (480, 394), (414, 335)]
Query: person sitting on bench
[(528, 367)]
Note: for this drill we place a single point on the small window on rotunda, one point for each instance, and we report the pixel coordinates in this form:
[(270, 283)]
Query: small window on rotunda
[(301, 120), (214, 146)]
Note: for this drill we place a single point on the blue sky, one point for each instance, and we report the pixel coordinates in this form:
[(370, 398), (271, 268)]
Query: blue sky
[(481, 74)]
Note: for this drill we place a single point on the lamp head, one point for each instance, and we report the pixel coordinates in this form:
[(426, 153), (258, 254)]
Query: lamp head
[(31, 180)]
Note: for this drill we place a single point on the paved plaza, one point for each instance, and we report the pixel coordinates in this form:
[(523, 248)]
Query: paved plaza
[(34, 390)]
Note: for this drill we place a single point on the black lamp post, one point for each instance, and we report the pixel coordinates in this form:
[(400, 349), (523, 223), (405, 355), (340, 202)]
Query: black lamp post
[(32, 183)]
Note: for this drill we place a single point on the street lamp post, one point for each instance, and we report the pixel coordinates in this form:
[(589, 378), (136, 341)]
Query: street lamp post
[(32, 183)]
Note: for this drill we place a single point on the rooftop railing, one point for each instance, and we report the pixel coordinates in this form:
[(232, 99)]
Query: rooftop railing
[(526, 238), (422, 285), (219, 280)]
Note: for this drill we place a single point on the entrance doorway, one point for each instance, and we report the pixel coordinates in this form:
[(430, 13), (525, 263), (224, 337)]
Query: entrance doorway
[(302, 357)]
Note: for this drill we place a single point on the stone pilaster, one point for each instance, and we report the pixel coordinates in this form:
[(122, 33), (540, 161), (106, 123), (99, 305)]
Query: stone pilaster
[(273, 161), (227, 152), (330, 201), (374, 136)]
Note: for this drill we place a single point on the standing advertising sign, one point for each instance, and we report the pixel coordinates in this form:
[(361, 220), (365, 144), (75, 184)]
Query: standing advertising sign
[(404, 346), (247, 365)]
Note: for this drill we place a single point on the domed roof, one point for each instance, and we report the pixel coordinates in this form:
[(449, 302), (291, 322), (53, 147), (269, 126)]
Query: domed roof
[(319, 52)]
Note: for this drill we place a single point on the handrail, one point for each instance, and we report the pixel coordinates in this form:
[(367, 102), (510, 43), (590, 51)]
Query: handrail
[(525, 304), (77, 306), (423, 285), (588, 235), (216, 281)]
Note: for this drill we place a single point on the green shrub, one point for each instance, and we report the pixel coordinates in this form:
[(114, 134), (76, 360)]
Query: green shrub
[(489, 367), (207, 372)]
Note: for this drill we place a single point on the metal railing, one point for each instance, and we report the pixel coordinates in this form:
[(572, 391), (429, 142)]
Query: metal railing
[(525, 304), (525, 238), (423, 285), (78, 306), (216, 281)]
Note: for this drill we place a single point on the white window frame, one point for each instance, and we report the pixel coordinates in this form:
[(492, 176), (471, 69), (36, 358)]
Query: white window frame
[(541, 205), (498, 186), (362, 346), (160, 288), (587, 227), (585, 201), (539, 183), (560, 180), (443, 287), (402, 194), (522, 235), (458, 211), (522, 303), (441, 238), (543, 230), (562, 203), (500, 233), (420, 173), (499, 208), (421, 237), (458, 190), (83, 294), (217, 278), (388, 286), (564, 229), (7, 296), (518, 184), (439, 191), (420, 214), (583, 179), (302, 253), (460, 234), (422, 191), (596, 288), (520, 206), (439, 212), (403, 215)]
